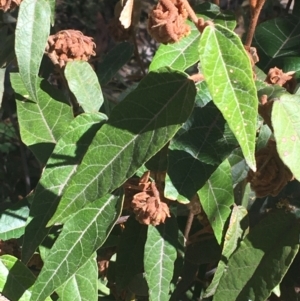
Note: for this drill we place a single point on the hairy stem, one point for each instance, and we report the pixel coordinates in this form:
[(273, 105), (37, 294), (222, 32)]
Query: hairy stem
[(191, 12), (255, 11)]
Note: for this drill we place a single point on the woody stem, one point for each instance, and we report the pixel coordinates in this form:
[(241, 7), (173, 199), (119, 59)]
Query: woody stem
[(254, 18)]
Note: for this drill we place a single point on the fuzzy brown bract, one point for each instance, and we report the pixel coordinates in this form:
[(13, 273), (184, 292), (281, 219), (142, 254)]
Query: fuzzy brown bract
[(149, 209), (6, 5), (166, 22), (69, 45), (271, 175), (278, 77)]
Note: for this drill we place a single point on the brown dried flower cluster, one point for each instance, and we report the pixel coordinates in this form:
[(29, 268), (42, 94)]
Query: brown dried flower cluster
[(146, 204), (6, 5), (271, 175), (69, 45), (278, 77), (166, 22)]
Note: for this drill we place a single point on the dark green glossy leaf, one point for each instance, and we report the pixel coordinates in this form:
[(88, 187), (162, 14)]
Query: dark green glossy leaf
[(203, 96), (216, 197), (159, 258), (276, 38), (196, 151), (16, 279), (130, 252), (138, 127), (13, 220), (235, 232), (60, 168), (83, 284), (32, 31), (272, 91), (286, 124), (42, 122), (113, 61), (81, 236), (263, 257), (6, 53), (296, 8), (83, 82), (227, 70), (210, 11), (239, 168)]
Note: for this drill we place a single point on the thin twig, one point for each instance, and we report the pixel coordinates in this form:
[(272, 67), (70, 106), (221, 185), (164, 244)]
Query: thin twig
[(188, 224), (254, 18)]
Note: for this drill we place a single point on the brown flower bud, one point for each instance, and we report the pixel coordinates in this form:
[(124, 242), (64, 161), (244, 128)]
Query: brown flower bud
[(135, 185), (148, 208), (166, 22), (6, 5), (202, 24), (271, 175), (278, 77), (69, 45)]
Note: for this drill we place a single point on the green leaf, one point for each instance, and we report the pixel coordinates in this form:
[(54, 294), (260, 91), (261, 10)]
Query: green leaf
[(239, 168), (263, 257), (197, 149), (83, 285), (184, 54), (83, 82), (6, 53), (81, 236), (203, 96), (235, 233), (159, 258), (272, 91), (216, 197), (180, 55), (52, 7), (210, 11), (277, 38), (16, 279), (61, 166), (286, 124), (32, 31), (13, 221), (130, 252), (227, 70), (113, 61), (138, 127), (42, 122)]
